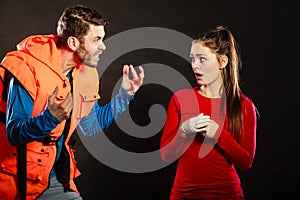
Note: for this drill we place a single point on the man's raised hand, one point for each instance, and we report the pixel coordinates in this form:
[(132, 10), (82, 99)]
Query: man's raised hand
[(132, 85)]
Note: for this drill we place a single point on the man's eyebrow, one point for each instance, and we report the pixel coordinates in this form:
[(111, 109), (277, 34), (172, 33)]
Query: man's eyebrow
[(198, 54)]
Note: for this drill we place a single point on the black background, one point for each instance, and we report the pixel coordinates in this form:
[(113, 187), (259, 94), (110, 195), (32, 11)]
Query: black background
[(268, 45)]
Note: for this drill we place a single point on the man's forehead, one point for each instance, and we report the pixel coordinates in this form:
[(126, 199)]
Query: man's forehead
[(96, 31)]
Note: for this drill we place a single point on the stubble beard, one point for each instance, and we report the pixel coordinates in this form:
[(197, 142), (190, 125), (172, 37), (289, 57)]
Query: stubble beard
[(85, 58)]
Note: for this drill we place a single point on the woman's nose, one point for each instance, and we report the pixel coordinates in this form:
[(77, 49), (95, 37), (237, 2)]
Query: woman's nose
[(195, 66)]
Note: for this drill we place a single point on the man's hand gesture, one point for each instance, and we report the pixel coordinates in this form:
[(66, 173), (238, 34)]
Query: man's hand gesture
[(132, 85), (60, 111)]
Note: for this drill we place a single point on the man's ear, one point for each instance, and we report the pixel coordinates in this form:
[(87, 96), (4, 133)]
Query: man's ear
[(223, 61), (73, 43)]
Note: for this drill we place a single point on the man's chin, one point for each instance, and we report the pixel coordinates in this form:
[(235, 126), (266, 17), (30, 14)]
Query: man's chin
[(91, 64)]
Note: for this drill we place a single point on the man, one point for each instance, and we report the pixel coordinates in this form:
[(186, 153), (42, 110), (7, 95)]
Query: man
[(52, 86)]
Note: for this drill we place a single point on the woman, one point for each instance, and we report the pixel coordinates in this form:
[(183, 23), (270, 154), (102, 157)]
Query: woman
[(211, 128)]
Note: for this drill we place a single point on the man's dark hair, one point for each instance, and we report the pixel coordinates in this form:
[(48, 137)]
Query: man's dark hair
[(75, 21)]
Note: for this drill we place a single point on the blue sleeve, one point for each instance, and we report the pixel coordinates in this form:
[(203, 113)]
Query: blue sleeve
[(101, 117), (21, 128)]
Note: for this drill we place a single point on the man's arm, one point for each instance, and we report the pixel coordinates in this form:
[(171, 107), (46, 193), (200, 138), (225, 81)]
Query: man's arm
[(101, 117), (21, 128), (112, 110)]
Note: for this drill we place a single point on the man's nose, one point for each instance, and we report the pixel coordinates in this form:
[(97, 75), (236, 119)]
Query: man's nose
[(102, 46)]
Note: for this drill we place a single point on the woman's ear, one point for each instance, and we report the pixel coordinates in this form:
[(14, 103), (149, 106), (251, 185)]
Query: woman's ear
[(223, 61), (73, 43)]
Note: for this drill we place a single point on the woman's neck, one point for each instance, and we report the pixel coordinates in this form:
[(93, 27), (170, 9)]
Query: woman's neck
[(210, 91)]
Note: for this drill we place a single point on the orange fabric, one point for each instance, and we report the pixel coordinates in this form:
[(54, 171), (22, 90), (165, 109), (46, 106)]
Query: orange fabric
[(85, 91), (36, 65), (2, 102)]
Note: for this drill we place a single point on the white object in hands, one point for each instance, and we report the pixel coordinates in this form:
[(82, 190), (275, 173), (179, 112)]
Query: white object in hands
[(195, 124), (211, 130)]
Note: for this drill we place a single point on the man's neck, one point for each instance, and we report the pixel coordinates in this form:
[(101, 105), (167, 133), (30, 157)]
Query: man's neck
[(67, 61)]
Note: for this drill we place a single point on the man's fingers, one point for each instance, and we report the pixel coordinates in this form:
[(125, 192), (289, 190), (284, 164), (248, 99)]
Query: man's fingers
[(125, 69), (141, 73), (53, 95), (67, 103), (133, 72)]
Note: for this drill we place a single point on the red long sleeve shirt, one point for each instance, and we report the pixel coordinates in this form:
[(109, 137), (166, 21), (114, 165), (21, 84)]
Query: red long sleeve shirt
[(206, 168)]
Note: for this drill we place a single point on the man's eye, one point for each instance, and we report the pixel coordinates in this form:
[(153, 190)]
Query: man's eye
[(98, 39)]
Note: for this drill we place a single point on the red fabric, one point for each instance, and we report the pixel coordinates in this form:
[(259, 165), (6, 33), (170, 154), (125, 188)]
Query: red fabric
[(211, 173)]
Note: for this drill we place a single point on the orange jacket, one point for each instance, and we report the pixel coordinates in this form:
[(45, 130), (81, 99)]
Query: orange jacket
[(36, 64)]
